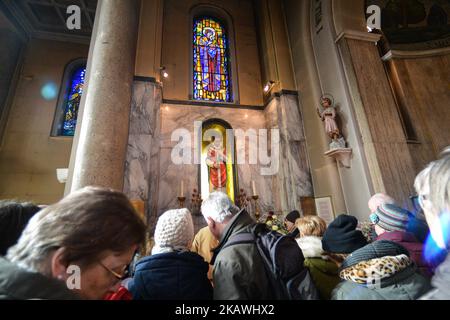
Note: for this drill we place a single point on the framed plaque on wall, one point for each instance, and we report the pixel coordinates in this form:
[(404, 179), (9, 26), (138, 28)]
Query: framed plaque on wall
[(324, 209)]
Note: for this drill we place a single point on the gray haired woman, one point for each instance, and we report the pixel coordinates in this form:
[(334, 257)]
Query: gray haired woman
[(433, 188), (78, 248)]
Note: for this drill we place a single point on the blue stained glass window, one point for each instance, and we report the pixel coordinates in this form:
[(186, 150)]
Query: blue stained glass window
[(73, 101), (211, 61)]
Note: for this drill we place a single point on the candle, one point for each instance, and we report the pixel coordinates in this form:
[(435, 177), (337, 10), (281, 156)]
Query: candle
[(253, 187), (182, 189)]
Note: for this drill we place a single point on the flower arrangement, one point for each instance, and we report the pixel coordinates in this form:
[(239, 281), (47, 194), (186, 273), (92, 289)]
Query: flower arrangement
[(273, 223)]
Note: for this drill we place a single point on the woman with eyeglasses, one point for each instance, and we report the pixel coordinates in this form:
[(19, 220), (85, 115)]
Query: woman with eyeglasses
[(433, 187), (78, 248)]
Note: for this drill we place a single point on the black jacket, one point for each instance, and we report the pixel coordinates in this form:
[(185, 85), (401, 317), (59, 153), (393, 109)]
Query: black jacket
[(171, 276), (19, 284)]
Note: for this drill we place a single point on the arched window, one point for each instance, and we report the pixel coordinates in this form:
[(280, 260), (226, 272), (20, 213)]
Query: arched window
[(211, 74), (73, 101), (69, 99)]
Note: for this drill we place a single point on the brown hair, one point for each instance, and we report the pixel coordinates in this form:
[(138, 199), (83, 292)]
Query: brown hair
[(87, 223), (311, 226)]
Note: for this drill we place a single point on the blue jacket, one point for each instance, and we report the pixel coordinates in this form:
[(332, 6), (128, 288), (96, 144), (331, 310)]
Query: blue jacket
[(171, 276)]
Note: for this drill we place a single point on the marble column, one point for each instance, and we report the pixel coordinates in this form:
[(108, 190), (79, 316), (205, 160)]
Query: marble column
[(100, 144), (141, 181), (293, 180)]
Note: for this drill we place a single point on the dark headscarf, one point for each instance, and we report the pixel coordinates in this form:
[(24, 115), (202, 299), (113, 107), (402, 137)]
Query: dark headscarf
[(293, 216)]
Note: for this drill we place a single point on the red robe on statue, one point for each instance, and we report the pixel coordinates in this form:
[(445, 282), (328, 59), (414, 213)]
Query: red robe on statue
[(217, 176), (212, 63)]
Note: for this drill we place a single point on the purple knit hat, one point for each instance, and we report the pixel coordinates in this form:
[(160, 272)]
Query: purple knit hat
[(390, 217)]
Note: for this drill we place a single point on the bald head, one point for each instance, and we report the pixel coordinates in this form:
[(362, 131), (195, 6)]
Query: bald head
[(379, 199)]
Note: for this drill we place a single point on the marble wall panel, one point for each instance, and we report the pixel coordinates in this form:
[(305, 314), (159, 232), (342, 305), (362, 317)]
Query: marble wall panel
[(141, 169), (152, 176)]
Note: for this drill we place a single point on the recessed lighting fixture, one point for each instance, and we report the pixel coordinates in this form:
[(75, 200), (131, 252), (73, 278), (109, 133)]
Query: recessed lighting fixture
[(268, 86), (164, 72)]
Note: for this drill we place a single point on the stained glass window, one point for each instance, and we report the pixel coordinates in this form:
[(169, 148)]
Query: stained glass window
[(211, 61), (73, 101)]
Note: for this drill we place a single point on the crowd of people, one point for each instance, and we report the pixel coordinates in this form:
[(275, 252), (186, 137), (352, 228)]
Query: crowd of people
[(89, 246)]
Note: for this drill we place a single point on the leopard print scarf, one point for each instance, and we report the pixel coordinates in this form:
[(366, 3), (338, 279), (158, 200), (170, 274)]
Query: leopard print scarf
[(371, 272)]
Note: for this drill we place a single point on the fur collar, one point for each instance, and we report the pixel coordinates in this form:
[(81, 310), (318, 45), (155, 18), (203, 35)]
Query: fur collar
[(311, 247)]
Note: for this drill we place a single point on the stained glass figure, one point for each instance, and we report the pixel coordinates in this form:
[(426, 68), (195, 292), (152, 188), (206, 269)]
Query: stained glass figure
[(211, 61), (73, 101)]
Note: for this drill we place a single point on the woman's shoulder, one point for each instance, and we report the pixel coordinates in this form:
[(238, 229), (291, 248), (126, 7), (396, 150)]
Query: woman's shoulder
[(170, 258)]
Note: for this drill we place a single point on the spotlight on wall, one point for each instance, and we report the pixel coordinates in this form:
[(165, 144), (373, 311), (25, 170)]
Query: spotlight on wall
[(268, 86), (164, 72)]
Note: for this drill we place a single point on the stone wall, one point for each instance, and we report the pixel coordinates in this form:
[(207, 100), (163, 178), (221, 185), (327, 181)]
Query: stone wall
[(151, 175)]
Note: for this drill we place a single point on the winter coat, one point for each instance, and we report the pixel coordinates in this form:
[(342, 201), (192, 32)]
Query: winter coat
[(414, 247), (440, 283), (19, 284), (239, 272), (392, 276), (323, 271), (177, 275)]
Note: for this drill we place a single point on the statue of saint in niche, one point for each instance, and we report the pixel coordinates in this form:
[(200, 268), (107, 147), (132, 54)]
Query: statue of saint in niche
[(216, 161)]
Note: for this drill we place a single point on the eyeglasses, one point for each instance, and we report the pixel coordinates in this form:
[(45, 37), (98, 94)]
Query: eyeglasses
[(118, 276)]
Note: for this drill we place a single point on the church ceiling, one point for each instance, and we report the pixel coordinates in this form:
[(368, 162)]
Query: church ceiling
[(47, 18), (415, 24)]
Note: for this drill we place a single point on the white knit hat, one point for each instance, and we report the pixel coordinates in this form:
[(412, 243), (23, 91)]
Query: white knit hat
[(174, 229)]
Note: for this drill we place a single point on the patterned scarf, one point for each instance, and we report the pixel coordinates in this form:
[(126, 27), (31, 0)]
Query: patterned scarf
[(371, 272)]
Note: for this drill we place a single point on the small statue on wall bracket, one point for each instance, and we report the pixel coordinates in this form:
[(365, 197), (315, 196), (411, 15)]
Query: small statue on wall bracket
[(327, 112), (338, 145)]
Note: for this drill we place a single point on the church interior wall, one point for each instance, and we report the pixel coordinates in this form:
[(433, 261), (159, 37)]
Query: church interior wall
[(281, 113), (384, 122), (170, 174), (324, 173), (356, 181), (275, 52), (29, 157), (10, 61), (273, 42), (148, 54), (414, 102), (423, 90)]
